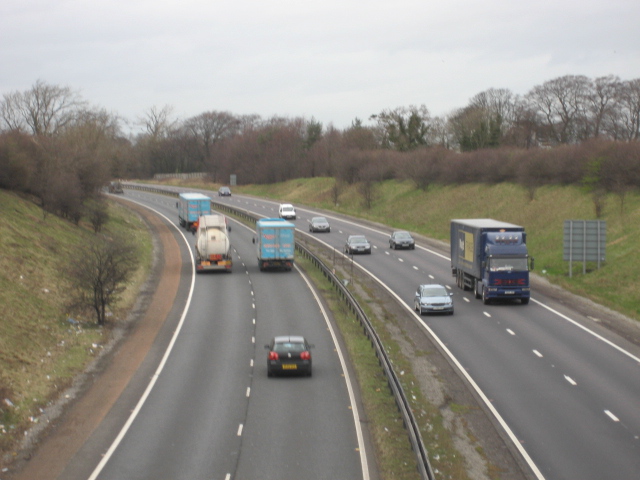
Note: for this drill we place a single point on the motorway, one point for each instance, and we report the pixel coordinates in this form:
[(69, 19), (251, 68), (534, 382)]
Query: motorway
[(204, 408), (565, 389)]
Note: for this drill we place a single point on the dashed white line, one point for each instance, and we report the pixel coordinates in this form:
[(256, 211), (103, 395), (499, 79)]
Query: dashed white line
[(511, 332), (570, 380), (537, 353), (400, 260), (487, 314), (415, 268), (612, 416), (432, 277), (240, 430), (248, 392)]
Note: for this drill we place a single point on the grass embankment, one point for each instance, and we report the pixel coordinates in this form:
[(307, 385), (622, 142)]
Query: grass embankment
[(41, 349), (401, 205)]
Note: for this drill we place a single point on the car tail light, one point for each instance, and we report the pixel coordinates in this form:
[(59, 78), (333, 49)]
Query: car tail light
[(305, 356), (273, 356)]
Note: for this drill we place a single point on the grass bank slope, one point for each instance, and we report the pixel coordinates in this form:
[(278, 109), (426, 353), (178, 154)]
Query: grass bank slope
[(41, 348)]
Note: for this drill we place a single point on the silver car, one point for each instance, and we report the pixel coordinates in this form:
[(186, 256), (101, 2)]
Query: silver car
[(319, 224), (433, 299)]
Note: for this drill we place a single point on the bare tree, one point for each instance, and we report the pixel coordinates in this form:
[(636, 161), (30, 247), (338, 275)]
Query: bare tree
[(560, 104), (207, 129), (100, 271), (44, 109), (157, 122)]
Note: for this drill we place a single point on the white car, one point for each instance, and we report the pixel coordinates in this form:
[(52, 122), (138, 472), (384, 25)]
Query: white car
[(286, 210)]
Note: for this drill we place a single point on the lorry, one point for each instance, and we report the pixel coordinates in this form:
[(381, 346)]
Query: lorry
[(491, 258), (191, 206), (213, 247), (275, 243)]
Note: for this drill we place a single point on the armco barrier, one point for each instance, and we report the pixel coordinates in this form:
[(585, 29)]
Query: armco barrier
[(410, 423)]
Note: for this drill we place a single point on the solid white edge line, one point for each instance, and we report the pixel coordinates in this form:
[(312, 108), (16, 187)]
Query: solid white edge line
[(145, 395), (354, 407)]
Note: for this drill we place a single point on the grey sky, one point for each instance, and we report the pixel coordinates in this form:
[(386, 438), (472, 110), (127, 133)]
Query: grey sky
[(331, 60)]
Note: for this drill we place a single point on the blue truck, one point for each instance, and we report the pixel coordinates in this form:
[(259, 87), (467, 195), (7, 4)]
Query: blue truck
[(275, 242), (191, 206), (491, 258)]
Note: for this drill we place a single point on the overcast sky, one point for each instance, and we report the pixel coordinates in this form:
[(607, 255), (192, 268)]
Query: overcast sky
[(329, 60)]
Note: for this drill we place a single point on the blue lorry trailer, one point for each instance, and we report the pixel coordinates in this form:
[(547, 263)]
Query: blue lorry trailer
[(491, 258), (191, 206), (275, 242)]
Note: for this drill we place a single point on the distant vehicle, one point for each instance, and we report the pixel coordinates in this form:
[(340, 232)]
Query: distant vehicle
[(275, 243), (191, 206), (433, 299), (491, 258), (401, 240), (319, 224), (115, 187), (287, 211), (213, 247), (357, 244), (224, 192), (289, 354)]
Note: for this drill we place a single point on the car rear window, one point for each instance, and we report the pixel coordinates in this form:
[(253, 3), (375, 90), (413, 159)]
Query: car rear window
[(289, 347)]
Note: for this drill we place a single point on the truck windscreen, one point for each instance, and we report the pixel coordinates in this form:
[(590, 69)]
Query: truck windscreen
[(512, 264)]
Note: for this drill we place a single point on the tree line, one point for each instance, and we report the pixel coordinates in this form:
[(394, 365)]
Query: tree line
[(569, 130)]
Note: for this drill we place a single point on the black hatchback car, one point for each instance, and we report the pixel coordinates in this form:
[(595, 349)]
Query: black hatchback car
[(290, 354)]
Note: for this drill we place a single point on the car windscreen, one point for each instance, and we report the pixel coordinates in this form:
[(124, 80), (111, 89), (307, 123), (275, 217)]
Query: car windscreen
[(434, 292)]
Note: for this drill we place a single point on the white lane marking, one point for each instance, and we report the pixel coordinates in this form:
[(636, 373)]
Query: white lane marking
[(612, 416), (387, 253), (248, 392), (466, 299), (107, 456), (570, 380), (415, 268), (486, 314), (591, 332), (352, 399), (432, 277), (400, 260), (251, 363), (537, 353), (253, 340), (240, 430), (511, 331)]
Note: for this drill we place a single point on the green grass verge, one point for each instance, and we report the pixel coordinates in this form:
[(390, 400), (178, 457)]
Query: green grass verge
[(41, 351)]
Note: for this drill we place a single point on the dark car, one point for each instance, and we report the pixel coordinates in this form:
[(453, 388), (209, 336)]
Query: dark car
[(289, 354), (433, 298), (357, 244), (401, 240), (319, 224), (224, 192)]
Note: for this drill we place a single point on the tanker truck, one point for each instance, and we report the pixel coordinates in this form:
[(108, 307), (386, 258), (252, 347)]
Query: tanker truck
[(213, 248)]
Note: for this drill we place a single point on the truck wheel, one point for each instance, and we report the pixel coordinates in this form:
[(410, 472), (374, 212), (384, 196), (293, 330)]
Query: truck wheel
[(476, 288), (524, 301), (485, 299)]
